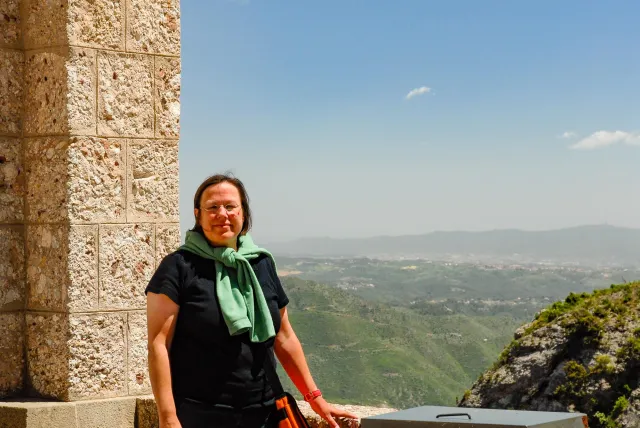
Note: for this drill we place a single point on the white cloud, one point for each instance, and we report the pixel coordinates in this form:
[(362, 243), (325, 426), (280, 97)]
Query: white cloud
[(607, 138), (418, 91), (568, 135)]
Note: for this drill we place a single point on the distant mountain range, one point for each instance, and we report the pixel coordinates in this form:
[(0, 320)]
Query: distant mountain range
[(600, 244)]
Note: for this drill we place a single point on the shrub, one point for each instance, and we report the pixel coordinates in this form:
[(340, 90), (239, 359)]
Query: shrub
[(504, 355), (630, 350), (621, 405), (603, 365), (576, 377), (586, 326)]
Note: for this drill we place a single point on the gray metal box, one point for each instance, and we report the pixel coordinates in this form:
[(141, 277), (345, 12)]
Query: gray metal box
[(464, 417)]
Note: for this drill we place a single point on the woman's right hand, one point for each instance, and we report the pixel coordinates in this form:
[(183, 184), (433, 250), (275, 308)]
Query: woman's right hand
[(172, 422)]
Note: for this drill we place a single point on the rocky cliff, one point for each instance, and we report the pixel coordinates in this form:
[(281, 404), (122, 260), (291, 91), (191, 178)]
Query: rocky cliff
[(581, 354)]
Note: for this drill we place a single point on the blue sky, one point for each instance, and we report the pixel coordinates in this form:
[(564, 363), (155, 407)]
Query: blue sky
[(525, 114)]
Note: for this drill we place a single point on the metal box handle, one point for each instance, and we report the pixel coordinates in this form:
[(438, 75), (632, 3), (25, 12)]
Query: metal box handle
[(444, 415)]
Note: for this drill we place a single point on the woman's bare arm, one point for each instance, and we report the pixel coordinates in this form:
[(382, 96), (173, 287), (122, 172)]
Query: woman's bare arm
[(290, 354), (162, 314)]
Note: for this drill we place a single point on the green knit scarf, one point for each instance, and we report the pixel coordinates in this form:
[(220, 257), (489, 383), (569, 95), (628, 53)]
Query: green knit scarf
[(243, 305)]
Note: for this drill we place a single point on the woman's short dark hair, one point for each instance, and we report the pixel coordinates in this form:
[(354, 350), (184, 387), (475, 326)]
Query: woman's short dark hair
[(244, 198)]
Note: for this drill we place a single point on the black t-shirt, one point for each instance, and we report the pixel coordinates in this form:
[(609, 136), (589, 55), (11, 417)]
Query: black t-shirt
[(208, 365)]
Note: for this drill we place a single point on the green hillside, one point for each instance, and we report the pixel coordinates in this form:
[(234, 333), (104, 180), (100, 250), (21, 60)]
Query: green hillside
[(374, 354)]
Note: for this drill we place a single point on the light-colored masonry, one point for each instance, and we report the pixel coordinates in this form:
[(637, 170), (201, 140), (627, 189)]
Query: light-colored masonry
[(89, 129)]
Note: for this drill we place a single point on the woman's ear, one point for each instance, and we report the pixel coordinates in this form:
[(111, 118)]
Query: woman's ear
[(196, 213)]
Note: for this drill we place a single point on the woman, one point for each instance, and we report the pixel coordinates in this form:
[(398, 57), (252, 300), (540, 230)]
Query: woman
[(216, 311)]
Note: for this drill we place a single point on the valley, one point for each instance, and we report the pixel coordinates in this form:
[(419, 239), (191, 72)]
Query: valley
[(409, 282), (405, 333)]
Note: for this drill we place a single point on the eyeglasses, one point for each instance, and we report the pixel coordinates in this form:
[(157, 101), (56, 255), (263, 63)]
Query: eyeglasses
[(229, 208)]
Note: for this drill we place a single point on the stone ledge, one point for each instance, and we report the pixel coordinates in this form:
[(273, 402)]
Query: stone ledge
[(124, 412), (147, 417), (35, 414), (109, 413), (316, 421)]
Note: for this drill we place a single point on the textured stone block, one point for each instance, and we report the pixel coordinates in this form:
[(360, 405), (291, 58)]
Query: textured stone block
[(97, 350), (12, 351), (153, 27), (125, 95), (138, 373), (60, 88), (100, 413), (11, 87), (47, 252), (74, 357), (48, 354), (168, 77), (97, 173), (146, 413), (10, 31), (81, 91), (79, 179), (46, 169), (12, 180), (126, 265), (37, 414), (153, 180), (45, 23), (82, 269), (87, 23), (109, 413), (168, 239), (97, 23), (45, 102), (62, 267), (12, 276)]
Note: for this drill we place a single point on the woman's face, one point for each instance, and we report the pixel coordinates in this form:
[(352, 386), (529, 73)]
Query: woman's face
[(220, 214)]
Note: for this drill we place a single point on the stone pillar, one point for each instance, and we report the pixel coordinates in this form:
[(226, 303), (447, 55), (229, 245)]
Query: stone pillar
[(95, 205), (12, 191)]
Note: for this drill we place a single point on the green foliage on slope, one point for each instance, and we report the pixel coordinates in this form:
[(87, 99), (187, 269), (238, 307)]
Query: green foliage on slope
[(374, 354), (585, 352)]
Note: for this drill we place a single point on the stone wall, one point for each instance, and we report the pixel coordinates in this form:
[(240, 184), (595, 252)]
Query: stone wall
[(128, 412), (89, 129), (12, 194)]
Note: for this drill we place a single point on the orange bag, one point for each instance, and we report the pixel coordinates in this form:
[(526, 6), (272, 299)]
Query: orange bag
[(288, 414)]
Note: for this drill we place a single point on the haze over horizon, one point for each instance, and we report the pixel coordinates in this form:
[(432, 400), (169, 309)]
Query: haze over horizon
[(515, 229), (366, 119)]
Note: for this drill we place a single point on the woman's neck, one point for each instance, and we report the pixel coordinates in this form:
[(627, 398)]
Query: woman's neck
[(233, 244)]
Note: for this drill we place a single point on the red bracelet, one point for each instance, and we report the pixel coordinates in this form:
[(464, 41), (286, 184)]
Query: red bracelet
[(312, 395)]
